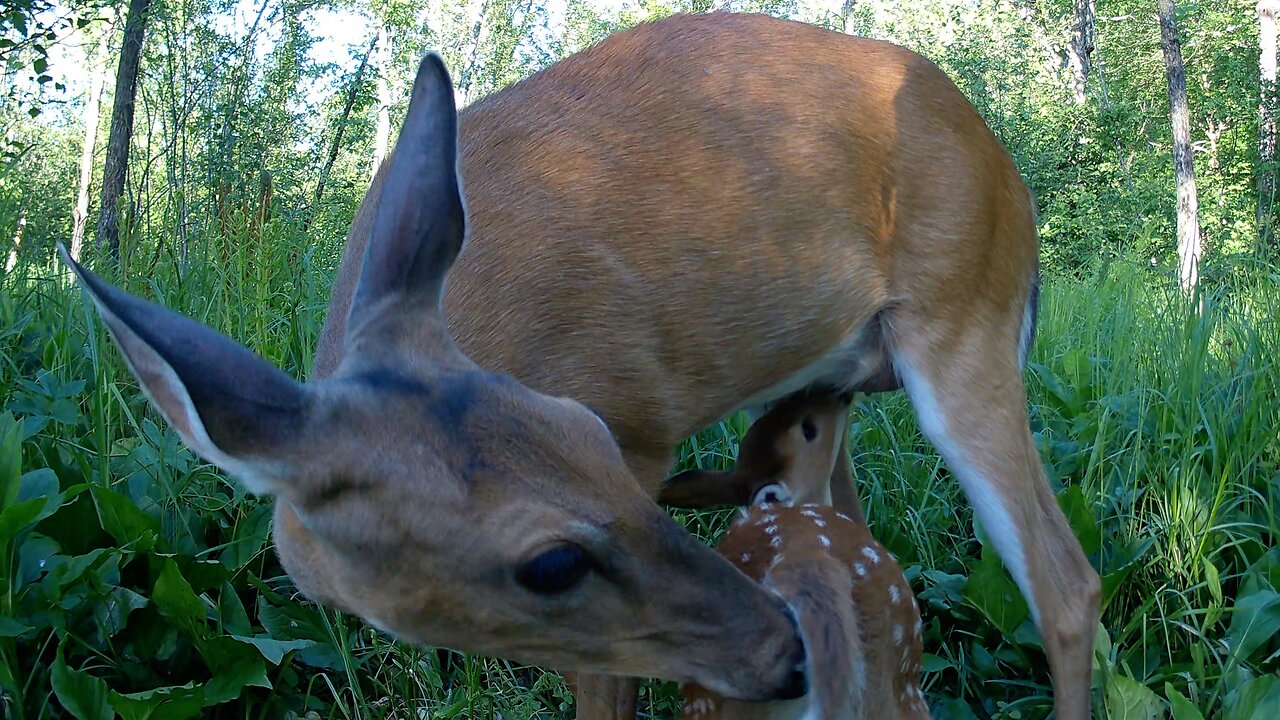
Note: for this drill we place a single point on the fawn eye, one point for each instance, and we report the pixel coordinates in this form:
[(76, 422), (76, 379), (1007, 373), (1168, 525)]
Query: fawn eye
[(554, 571)]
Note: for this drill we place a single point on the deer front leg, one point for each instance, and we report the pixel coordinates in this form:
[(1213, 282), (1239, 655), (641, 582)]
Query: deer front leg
[(603, 697), (967, 391), (609, 697)]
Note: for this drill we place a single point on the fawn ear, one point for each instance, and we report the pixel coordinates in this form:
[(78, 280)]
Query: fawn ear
[(699, 489), (230, 406), (420, 223)]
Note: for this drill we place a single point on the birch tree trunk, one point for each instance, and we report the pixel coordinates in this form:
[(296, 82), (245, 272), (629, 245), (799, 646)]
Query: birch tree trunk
[(1184, 170), (80, 217), (117, 166), (382, 61), (12, 261), (1266, 122), (1080, 50)]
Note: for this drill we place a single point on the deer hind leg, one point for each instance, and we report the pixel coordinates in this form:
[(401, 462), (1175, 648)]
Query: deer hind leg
[(844, 485), (965, 383)]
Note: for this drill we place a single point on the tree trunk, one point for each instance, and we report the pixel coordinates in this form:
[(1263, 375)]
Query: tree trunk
[(1080, 50), (1266, 121), (80, 218), (382, 135), (352, 92), (117, 165), (1184, 170), (16, 244)]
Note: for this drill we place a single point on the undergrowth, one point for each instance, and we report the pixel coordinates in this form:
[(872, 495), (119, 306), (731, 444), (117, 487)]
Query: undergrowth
[(139, 582)]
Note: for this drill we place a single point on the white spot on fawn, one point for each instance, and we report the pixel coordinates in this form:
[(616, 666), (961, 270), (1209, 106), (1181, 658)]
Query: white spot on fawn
[(771, 529), (894, 594), (810, 513), (746, 557), (767, 518), (776, 541), (871, 554), (897, 634), (860, 569), (919, 627), (819, 522), (826, 542), (844, 517)]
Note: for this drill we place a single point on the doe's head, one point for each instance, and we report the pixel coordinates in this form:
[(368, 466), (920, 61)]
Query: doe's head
[(444, 503)]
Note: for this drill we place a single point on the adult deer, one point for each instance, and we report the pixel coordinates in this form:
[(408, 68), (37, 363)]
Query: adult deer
[(856, 612), (699, 214)]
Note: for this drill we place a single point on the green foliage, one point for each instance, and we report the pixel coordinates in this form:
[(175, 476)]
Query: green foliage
[(139, 583)]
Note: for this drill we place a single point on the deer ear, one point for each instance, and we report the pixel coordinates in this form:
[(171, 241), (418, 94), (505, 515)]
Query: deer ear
[(230, 406), (420, 223), (699, 489)]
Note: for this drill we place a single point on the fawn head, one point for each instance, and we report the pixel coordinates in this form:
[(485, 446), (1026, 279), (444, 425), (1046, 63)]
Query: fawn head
[(443, 503), (789, 452)]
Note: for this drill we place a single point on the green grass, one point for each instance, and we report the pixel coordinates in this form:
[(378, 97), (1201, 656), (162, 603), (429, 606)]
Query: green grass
[(138, 580)]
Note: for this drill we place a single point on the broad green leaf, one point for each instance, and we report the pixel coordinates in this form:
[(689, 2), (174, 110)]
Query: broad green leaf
[(1212, 580), (18, 517), (953, 709), (1255, 619), (235, 664), (1080, 518), (994, 594), (945, 590), (9, 627), (1257, 699), (1180, 706), (251, 533), (175, 599), (274, 650), (1214, 583), (231, 614), (10, 458), (1264, 574), (41, 483), (178, 702), (83, 695), (933, 663), (112, 612), (121, 518), (73, 570), (1128, 699), (1078, 369), (37, 499)]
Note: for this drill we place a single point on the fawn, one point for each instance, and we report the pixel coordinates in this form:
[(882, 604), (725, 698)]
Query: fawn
[(856, 612)]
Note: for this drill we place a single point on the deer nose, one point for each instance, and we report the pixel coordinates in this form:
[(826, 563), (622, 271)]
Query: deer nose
[(796, 683), (796, 686)]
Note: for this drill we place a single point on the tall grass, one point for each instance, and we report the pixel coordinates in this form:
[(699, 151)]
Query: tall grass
[(138, 580)]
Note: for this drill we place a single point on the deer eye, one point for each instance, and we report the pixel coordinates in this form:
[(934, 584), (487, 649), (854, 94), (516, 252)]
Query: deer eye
[(554, 571), (809, 429)]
